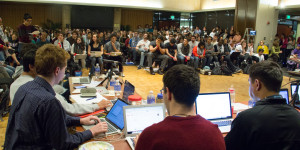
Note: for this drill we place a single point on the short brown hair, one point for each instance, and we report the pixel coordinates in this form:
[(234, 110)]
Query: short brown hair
[(48, 57)]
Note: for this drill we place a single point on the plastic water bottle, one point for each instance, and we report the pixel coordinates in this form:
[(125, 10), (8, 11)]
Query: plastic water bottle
[(117, 87), (97, 71), (112, 81), (151, 98), (232, 94)]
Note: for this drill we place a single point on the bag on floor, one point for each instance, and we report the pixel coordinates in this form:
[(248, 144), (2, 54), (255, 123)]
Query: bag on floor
[(225, 70), (246, 69)]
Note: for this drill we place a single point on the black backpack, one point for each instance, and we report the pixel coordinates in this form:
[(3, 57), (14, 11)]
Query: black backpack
[(217, 69), (225, 70)]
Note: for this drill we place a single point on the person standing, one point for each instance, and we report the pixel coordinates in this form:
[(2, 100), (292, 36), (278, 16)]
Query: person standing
[(25, 31)]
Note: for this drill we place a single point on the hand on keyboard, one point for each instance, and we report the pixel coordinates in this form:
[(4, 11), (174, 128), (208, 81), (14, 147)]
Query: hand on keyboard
[(90, 120), (99, 128)]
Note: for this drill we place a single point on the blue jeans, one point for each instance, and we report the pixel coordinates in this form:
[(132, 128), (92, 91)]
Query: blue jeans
[(133, 51), (142, 56), (93, 63), (193, 62), (10, 70), (2, 57)]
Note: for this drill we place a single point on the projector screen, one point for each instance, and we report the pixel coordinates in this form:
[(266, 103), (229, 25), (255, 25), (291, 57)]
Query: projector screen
[(92, 17)]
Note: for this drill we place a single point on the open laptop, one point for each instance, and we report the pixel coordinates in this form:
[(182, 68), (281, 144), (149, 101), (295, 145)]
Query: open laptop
[(215, 107), (137, 118), (293, 88), (128, 90), (285, 94), (95, 54), (81, 80), (114, 118)]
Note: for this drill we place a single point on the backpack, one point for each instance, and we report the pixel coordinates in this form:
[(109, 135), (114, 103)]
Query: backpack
[(217, 69), (225, 70), (246, 69)]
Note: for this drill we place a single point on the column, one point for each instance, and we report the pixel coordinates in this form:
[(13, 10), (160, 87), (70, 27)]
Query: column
[(266, 22), (66, 16), (117, 19)]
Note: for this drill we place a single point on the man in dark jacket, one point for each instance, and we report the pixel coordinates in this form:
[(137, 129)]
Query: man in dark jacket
[(271, 123)]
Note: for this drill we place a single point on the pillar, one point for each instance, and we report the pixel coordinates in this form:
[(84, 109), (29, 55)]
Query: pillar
[(66, 16), (117, 19), (266, 22)]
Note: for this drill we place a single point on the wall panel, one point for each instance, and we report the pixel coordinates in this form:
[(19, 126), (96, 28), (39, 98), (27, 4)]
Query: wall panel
[(135, 17), (12, 13)]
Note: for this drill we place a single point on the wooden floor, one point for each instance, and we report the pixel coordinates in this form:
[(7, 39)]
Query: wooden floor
[(144, 82)]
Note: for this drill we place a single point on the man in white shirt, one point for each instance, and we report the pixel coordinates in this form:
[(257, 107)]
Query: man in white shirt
[(62, 43), (143, 47), (193, 42), (29, 74), (260, 55)]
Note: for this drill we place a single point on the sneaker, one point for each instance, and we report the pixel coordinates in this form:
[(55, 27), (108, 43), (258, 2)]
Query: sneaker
[(160, 72), (151, 71), (139, 67), (122, 74), (238, 71)]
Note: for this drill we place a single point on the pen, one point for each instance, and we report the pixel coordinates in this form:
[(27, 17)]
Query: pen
[(91, 98)]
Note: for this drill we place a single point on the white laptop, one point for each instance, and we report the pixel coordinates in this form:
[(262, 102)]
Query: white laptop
[(81, 80), (137, 118), (114, 118), (215, 107)]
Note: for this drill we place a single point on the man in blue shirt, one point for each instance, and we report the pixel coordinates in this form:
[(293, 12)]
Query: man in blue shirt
[(37, 120)]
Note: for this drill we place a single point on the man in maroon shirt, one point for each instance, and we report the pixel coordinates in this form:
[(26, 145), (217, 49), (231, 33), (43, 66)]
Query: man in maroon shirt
[(182, 129), (25, 30)]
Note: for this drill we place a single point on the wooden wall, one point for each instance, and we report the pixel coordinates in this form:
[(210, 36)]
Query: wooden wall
[(135, 17), (245, 15), (12, 13)]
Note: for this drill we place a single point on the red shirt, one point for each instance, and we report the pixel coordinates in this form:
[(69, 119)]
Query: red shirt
[(181, 133), (24, 33)]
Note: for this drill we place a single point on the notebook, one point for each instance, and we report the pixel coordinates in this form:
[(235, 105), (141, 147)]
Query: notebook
[(128, 90), (114, 118), (215, 107), (137, 118), (285, 94), (80, 80)]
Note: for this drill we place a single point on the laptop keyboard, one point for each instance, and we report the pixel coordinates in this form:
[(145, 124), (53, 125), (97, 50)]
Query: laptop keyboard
[(223, 123), (84, 80), (111, 128)]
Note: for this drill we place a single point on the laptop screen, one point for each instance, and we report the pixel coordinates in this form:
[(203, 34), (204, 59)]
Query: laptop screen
[(115, 114), (139, 118), (212, 106), (128, 90), (285, 94)]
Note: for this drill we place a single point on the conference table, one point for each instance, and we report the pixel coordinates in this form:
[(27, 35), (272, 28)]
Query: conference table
[(117, 140)]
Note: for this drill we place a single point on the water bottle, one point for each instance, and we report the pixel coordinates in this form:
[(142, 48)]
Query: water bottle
[(232, 94), (117, 87), (151, 98), (112, 81), (97, 71)]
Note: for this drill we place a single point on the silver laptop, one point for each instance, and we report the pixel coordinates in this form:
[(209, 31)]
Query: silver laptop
[(114, 118), (95, 54), (81, 80), (215, 107), (137, 118)]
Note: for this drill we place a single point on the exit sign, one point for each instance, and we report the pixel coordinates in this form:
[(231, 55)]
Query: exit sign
[(288, 16), (172, 17)]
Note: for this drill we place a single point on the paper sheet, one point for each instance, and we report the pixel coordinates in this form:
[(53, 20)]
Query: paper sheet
[(239, 107), (76, 91), (82, 100), (92, 84)]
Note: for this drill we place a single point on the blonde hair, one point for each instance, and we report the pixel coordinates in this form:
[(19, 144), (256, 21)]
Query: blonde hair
[(48, 58)]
